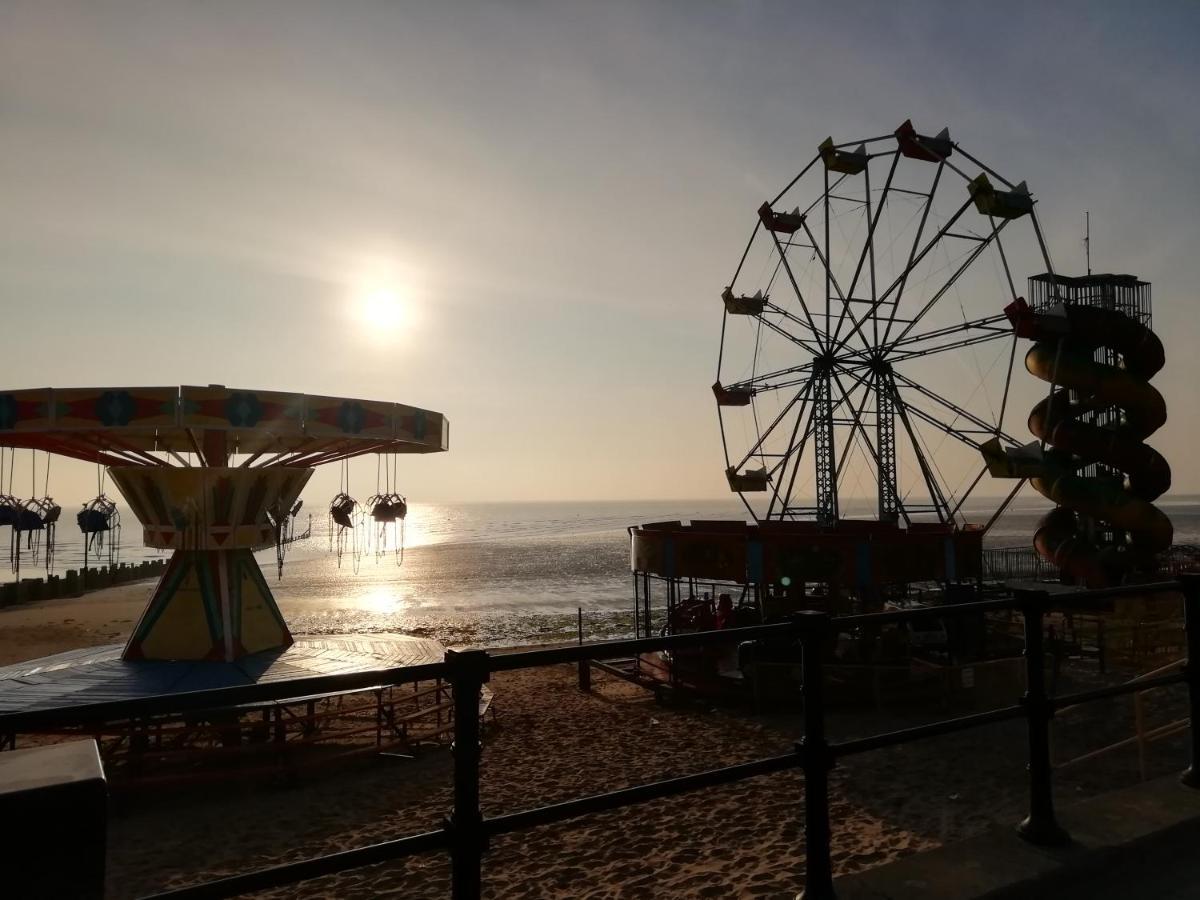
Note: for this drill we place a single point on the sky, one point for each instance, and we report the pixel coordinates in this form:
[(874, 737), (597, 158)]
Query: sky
[(522, 214)]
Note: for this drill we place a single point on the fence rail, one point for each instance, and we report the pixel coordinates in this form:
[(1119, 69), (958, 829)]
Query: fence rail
[(466, 832), (1024, 562)]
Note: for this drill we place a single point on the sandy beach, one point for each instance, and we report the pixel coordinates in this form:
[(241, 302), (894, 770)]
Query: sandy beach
[(51, 626), (552, 743)]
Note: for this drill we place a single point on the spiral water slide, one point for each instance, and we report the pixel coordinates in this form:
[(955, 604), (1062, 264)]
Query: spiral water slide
[(1066, 339)]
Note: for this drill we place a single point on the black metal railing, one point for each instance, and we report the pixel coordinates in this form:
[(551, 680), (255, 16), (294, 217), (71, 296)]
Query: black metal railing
[(1011, 563), (466, 831)]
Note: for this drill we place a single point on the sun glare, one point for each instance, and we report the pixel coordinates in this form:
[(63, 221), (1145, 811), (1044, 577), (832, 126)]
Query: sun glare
[(383, 309)]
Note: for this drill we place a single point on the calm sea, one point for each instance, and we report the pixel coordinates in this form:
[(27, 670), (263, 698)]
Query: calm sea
[(499, 573)]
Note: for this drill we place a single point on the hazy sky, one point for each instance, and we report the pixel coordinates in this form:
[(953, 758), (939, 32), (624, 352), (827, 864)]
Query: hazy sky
[(203, 192)]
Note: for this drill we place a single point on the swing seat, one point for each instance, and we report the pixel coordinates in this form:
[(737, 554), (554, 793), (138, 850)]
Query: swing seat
[(782, 223), (383, 513), (848, 162), (1000, 204), (92, 521), (388, 508), (10, 509), (29, 520), (743, 305), (341, 510), (97, 515), (920, 146), (754, 480), (731, 396), (37, 515)]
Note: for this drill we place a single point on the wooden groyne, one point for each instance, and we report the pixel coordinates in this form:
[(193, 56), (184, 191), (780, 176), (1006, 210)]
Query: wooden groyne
[(76, 582)]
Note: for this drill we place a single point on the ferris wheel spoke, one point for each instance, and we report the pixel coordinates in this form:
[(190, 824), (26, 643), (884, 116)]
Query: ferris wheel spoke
[(831, 280), (796, 452), (745, 253), (959, 501), (756, 450), (912, 260), (1008, 184), (764, 382), (983, 425), (961, 343), (1012, 355), (791, 317), (941, 292), (812, 162), (797, 456), (761, 388), (956, 433), (1012, 287), (787, 266), (868, 250), (1037, 230), (998, 323)]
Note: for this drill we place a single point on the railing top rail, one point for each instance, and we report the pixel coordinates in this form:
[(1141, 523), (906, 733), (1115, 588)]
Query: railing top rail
[(926, 612), (1084, 598)]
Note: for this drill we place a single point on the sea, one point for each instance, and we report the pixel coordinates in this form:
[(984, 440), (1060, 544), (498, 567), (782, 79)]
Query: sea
[(493, 574)]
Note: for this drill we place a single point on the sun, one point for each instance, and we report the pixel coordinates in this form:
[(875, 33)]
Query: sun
[(384, 310)]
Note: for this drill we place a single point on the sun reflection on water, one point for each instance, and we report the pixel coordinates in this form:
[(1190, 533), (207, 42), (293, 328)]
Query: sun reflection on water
[(382, 598)]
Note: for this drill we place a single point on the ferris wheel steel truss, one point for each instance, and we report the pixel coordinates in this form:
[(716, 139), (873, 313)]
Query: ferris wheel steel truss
[(857, 350)]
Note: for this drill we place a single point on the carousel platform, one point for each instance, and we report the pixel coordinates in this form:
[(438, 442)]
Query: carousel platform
[(99, 675)]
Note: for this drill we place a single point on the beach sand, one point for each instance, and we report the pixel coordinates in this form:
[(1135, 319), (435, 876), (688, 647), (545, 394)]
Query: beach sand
[(552, 743), (30, 630)]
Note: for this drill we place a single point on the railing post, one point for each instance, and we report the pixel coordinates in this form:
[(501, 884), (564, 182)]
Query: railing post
[(1191, 672), (1039, 827), (468, 671), (816, 760), (585, 666)]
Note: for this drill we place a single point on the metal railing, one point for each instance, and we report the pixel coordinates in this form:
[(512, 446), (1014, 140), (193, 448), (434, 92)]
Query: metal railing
[(1008, 563), (466, 832)]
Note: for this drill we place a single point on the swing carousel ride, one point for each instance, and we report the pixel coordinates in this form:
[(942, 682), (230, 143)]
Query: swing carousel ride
[(212, 475), (867, 345)]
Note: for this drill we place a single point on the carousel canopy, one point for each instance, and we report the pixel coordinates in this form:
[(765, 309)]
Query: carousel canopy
[(159, 425)]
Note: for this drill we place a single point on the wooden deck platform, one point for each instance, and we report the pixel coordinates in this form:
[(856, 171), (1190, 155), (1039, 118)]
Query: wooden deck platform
[(98, 674)]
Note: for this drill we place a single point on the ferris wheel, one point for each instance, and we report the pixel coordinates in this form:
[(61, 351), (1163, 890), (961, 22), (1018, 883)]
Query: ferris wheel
[(865, 354)]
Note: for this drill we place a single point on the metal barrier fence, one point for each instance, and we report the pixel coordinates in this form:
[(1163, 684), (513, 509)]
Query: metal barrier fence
[(1008, 563), (467, 831), (1024, 562)]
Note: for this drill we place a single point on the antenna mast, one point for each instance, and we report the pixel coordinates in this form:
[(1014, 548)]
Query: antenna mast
[(1087, 239)]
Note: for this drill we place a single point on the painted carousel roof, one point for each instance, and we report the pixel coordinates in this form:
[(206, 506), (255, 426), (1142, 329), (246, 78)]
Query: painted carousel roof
[(125, 425)]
